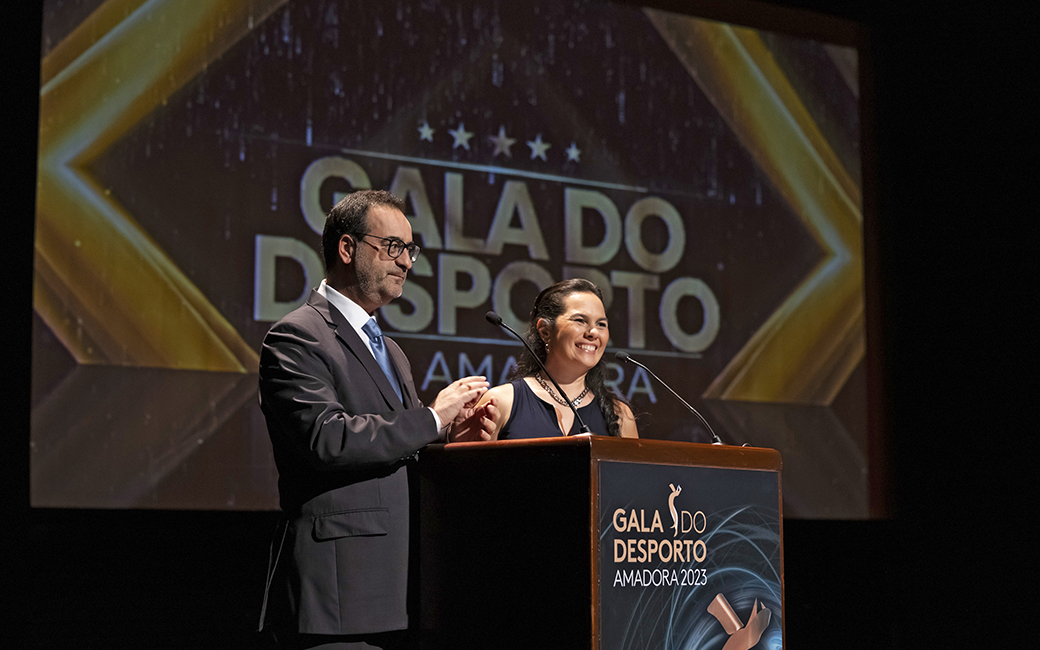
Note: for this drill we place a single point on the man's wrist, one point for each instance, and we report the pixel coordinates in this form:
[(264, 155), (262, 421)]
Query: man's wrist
[(442, 429)]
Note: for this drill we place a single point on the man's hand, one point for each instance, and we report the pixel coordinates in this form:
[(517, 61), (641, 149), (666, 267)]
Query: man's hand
[(455, 403), (481, 423)]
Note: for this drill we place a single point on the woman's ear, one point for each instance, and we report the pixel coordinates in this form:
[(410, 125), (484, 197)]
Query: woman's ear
[(543, 329)]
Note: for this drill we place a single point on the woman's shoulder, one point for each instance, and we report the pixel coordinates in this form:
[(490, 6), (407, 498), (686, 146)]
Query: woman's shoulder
[(521, 388), (502, 390), (622, 409), (626, 419), (503, 396)]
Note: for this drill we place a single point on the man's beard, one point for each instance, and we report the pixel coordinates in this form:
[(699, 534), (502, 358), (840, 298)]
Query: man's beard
[(383, 290)]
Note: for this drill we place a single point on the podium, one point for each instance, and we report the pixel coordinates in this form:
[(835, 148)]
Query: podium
[(600, 543)]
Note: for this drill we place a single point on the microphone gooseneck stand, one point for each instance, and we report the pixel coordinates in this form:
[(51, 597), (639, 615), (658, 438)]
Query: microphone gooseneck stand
[(625, 357)]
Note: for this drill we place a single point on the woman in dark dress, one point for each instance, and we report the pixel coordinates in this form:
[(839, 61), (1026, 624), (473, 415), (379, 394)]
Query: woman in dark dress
[(569, 332)]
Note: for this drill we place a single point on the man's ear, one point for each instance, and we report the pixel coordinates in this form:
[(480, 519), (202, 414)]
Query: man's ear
[(346, 249)]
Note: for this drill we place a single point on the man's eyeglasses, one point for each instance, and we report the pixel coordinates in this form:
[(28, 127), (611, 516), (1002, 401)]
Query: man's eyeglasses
[(394, 247)]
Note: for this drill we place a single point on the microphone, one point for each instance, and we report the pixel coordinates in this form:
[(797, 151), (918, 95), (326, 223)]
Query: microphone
[(624, 356), (495, 319)]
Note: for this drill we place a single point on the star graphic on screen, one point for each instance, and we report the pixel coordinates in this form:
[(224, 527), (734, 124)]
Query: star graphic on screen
[(425, 132), (573, 153), (538, 148), (461, 136), (502, 142)]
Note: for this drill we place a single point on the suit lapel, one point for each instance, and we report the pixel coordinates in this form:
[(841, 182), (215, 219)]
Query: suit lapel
[(349, 338), (411, 398)]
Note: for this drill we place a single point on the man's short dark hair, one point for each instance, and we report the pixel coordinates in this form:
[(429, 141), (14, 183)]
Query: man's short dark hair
[(350, 217)]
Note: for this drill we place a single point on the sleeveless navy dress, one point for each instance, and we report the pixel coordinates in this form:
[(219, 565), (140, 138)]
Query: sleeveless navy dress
[(533, 418)]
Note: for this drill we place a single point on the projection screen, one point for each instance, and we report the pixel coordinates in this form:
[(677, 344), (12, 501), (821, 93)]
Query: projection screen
[(706, 175)]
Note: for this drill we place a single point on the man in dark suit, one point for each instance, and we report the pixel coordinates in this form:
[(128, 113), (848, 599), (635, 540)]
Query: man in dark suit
[(345, 423)]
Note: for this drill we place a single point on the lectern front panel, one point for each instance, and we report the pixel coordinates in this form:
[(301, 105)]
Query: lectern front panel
[(689, 557)]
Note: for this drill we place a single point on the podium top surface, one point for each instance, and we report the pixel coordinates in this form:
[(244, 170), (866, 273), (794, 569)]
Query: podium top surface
[(637, 450)]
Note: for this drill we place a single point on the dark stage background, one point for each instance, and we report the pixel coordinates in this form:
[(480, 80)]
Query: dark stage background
[(948, 281)]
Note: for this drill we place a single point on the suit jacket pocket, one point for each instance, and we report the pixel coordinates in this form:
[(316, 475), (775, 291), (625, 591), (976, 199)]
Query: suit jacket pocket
[(351, 523)]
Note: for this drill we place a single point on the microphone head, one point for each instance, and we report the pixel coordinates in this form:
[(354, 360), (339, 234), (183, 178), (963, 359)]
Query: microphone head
[(493, 318), (621, 355)]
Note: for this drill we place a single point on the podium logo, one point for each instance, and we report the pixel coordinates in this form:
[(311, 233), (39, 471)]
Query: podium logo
[(671, 508), (650, 549), (741, 637)]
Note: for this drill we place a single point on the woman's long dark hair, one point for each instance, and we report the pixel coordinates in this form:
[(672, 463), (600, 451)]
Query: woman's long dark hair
[(550, 305)]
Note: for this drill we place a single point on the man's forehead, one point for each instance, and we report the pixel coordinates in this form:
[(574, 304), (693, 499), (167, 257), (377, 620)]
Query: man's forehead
[(388, 221)]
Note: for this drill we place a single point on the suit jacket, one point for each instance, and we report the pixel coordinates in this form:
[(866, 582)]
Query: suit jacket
[(342, 440)]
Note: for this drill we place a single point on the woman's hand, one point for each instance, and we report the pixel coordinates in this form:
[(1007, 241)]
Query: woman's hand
[(476, 424)]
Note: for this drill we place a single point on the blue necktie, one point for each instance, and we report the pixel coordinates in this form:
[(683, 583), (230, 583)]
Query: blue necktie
[(375, 335)]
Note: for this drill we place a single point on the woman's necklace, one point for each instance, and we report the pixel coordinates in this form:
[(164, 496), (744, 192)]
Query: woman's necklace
[(576, 401)]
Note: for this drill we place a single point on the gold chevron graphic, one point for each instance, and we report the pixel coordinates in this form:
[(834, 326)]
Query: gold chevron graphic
[(102, 284), (806, 349)]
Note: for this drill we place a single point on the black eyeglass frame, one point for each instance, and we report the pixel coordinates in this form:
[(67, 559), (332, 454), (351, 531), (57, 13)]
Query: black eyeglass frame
[(395, 242)]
